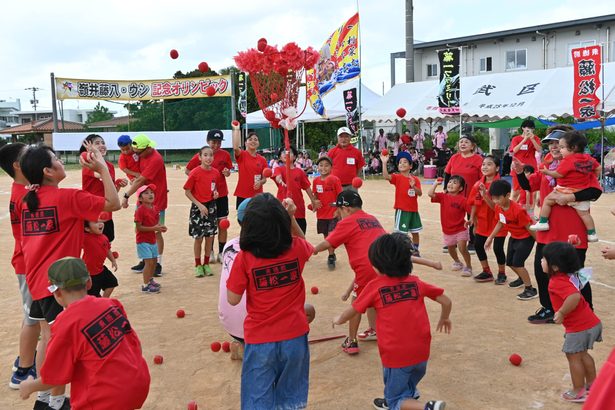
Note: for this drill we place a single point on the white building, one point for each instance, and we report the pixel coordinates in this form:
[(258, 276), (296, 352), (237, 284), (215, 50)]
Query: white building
[(8, 113), (73, 115)]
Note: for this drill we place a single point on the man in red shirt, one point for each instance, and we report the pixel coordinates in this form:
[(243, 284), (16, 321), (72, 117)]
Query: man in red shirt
[(154, 172), (347, 160), (524, 148)]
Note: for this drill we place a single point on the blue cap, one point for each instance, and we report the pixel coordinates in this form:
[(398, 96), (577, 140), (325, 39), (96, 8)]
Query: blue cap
[(404, 154), (124, 140), (241, 210)]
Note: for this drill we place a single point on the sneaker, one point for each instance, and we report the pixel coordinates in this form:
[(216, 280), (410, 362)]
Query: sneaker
[(149, 288), (331, 262), (517, 283), (540, 226), (435, 405), (198, 271), (592, 237), (471, 249), (466, 272), (154, 283), (457, 266), (528, 294), (380, 404), (445, 249), (350, 346), (138, 267), (207, 270), (65, 405), (501, 279), (542, 315), (158, 271), (573, 397), (212, 257), (484, 277), (368, 334), (19, 376), (16, 363)]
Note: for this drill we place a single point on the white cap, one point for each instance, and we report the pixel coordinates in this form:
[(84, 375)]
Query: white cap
[(344, 130)]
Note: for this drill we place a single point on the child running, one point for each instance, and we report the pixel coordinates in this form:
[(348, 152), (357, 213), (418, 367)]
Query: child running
[(201, 189), (147, 223), (521, 241), (453, 220), (582, 326), (399, 299), (96, 249), (576, 172)]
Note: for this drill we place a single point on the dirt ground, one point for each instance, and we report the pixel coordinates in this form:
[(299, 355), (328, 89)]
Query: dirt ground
[(469, 368)]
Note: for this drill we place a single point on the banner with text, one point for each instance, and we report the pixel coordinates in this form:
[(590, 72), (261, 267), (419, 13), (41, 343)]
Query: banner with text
[(587, 63), (449, 89), (352, 112), (242, 101), (70, 88)]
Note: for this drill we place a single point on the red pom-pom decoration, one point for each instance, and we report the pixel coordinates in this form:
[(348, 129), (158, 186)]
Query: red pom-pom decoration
[(267, 172), (224, 224), (270, 115), (357, 182), (203, 67), (261, 45), (273, 96), (210, 91), (174, 54), (401, 112), (216, 346)]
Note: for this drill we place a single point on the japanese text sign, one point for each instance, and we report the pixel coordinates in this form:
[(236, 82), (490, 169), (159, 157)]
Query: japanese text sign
[(587, 63)]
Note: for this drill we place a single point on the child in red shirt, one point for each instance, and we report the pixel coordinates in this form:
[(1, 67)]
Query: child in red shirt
[(526, 197), (399, 299), (524, 148), (560, 261), (521, 242), (576, 172), (250, 165), (326, 187), (129, 160), (453, 220), (96, 248), (93, 346), (201, 189)]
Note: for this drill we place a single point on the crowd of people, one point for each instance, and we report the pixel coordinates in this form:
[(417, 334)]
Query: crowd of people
[(63, 238)]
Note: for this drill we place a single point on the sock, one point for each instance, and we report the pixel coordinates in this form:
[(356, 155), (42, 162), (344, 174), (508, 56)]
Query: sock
[(43, 396), (56, 402), (221, 246), (206, 260), (159, 259), (501, 271), (591, 231), (487, 269), (543, 220), (197, 261)]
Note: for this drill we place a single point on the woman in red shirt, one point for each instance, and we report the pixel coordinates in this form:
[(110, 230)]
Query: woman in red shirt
[(524, 148), (251, 166)]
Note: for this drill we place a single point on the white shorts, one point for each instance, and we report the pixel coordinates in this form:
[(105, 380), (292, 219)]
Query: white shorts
[(26, 300)]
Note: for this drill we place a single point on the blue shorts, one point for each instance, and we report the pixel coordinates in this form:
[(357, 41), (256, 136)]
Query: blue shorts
[(147, 250), (401, 383), (276, 375)]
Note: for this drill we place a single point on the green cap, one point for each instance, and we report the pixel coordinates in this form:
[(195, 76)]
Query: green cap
[(142, 141), (67, 272)]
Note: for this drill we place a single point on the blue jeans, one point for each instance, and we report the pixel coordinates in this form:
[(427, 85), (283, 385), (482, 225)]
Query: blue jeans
[(276, 375), (401, 383)]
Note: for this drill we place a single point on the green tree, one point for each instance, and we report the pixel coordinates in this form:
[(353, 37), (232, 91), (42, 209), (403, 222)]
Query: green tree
[(100, 113)]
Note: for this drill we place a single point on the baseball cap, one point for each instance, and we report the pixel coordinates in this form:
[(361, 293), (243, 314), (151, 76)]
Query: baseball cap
[(554, 135), (144, 188), (124, 140), (142, 141), (344, 130), (215, 134), (403, 154), (241, 209), (67, 272), (324, 158), (348, 198)]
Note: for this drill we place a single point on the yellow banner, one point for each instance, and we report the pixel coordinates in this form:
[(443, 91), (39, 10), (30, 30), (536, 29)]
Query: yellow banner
[(70, 88)]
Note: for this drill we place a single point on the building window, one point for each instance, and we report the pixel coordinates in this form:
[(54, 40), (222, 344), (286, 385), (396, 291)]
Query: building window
[(516, 59), (485, 64), (432, 70), (579, 44)]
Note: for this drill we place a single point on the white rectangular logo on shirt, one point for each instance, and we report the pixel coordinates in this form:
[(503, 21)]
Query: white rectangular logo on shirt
[(524, 147), (349, 161), (319, 189), (502, 218)]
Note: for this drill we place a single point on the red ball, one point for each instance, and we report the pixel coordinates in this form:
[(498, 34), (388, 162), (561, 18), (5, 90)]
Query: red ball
[(192, 405), (515, 359), (203, 67), (210, 91), (440, 179), (216, 346), (267, 172), (314, 290), (174, 54), (235, 123), (116, 254), (574, 239), (385, 152), (357, 182), (261, 45), (310, 207), (180, 313), (269, 115), (224, 224), (401, 112), (226, 347), (158, 359), (86, 156)]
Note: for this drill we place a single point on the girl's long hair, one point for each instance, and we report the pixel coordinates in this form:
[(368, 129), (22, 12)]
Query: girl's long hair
[(33, 162)]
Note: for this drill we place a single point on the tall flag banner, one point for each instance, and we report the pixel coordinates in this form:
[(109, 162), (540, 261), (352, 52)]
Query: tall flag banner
[(242, 101), (587, 63), (339, 62), (352, 113), (449, 89)]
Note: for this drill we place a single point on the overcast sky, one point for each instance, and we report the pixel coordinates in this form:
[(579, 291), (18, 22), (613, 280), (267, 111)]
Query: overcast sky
[(129, 40)]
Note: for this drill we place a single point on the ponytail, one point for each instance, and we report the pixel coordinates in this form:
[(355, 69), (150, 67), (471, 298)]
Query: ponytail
[(33, 163)]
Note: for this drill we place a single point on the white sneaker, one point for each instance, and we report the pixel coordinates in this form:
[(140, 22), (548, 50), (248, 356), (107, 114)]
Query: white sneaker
[(540, 226), (466, 272), (592, 238), (457, 266)]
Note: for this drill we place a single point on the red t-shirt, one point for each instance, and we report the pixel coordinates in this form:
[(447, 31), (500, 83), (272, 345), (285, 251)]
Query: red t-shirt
[(403, 328), (406, 198), (222, 160), (129, 162), (603, 388), (95, 250), (577, 171), (469, 168), (453, 210), (94, 348), (326, 190), (485, 216), (275, 293), (17, 193), (250, 171), (54, 231), (515, 219), (153, 169), (202, 183), (582, 317), (347, 162), (527, 152), (92, 183), (523, 197), (299, 183), (147, 216), (357, 232)]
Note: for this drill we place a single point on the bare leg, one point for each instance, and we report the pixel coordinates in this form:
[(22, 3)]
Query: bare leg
[(209, 243), (587, 219), (523, 274), (148, 270), (545, 210), (371, 317), (160, 243), (107, 292), (452, 251), (577, 370), (415, 238), (198, 244), (411, 404), (353, 326), (40, 353), (463, 249), (28, 339), (590, 368)]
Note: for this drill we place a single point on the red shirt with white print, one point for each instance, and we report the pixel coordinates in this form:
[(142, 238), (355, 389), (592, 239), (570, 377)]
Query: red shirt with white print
[(222, 160), (485, 216), (453, 210), (515, 219), (250, 171), (129, 162), (562, 285), (347, 162), (326, 191), (202, 183), (406, 197), (469, 168)]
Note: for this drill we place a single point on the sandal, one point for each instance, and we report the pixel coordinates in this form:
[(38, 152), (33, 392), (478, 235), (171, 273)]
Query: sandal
[(573, 397)]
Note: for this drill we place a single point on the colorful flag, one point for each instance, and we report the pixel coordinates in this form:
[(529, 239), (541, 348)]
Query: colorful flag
[(339, 62), (587, 63)]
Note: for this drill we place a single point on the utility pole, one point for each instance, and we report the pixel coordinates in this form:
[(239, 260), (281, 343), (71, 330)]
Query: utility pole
[(409, 42), (33, 101)]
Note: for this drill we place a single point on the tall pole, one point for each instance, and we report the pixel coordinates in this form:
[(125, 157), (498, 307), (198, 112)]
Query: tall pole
[(33, 101), (409, 42), (54, 109)]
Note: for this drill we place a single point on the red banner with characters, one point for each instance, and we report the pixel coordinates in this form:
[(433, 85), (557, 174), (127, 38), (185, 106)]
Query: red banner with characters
[(587, 63)]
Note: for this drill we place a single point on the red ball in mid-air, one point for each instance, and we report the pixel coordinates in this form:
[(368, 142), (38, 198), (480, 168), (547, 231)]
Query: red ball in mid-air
[(267, 172), (226, 347), (261, 45), (215, 346), (193, 406), (385, 152), (515, 359), (158, 359), (180, 313), (210, 91), (203, 67), (174, 54), (314, 290), (224, 224), (401, 112), (357, 182)]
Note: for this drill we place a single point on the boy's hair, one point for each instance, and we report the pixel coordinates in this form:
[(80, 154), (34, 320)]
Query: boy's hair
[(563, 255), (265, 240), (459, 178), (391, 253), (499, 188), (282, 150), (33, 161), (495, 160), (575, 141), (90, 138), (528, 124), (9, 154), (528, 168)]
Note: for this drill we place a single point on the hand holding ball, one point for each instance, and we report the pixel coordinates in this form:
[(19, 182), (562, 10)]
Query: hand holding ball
[(515, 359), (574, 240), (267, 172), (357, 182), (86, 156), (235, 123), (385, 152), (115, 254)]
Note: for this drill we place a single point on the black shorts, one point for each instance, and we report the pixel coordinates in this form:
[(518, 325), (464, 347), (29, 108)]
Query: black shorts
[(222, 207), (104, 280), (46, 309), (203, 226), (326, 226), (518, 251), (238, 201), (587, 194), (109, 230)]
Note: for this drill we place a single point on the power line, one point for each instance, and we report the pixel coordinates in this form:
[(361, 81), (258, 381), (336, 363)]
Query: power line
[(33, 101)]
